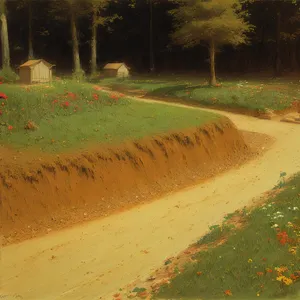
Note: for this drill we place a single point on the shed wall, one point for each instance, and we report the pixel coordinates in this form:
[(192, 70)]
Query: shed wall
[(41, 73), (110, 73), (25, 75), (123, 72)]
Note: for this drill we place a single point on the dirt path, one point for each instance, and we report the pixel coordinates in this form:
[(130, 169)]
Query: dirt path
[(96, 259)]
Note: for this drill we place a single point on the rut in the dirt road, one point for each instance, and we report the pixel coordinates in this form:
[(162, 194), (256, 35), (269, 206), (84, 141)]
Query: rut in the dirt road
[(96, 259)]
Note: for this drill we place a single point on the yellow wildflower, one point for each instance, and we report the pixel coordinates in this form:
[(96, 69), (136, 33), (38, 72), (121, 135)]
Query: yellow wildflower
[(250, 260), (281, 269), (285, 280), (293, 250)]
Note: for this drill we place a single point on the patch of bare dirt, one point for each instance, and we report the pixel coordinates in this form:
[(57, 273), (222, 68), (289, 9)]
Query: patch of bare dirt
[(292, 117), (42, 193)]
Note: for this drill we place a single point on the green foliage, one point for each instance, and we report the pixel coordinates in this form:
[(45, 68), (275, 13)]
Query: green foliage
[(59, 9), (198, 21), (250, 96), (246, 263), (70, 115), (8, 75), (79, 76)]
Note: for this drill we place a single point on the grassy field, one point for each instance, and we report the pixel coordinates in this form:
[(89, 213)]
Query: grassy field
[(252, 95), (69, 114), (262, 259)]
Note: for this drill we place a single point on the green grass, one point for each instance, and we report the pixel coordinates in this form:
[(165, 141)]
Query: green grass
[(84, 120), (234, 94), (234, 265)]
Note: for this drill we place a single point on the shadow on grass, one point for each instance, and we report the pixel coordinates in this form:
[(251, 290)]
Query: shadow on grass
[(171, 91)]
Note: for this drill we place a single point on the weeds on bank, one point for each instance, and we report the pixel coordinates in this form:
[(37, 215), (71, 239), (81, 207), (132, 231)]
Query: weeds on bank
[(262, 259), (235, 95), (70, 113)]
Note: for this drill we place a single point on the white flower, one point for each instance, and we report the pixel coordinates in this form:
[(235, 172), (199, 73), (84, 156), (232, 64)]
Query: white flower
[(264, 208), (275, 226), (269, 205), (278, 212), (295, 208), (280, 216), (268, 215), (289, 208)]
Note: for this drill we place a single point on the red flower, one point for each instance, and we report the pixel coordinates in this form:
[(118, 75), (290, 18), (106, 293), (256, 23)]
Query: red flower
[(10, 128), (268, 270), (54, 101), (97, 88), (3, 96), (1, 82), (1, 113), (264, 259), (282, 237), (228, 293), (66, 104), (95, 96), (71, 95), (260, 273), (114, 97)]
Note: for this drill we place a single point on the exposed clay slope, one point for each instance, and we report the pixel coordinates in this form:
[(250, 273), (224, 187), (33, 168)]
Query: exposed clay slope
[(49, 193)]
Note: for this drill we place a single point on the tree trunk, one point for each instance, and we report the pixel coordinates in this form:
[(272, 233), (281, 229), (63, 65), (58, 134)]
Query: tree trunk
[(277, 57), (75, 44), (94, 44), (212, 61), (30, 38), (4, 42), (152, 66), (294, 61)]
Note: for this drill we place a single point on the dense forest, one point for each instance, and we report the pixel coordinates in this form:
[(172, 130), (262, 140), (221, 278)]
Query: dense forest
[(140, 34)]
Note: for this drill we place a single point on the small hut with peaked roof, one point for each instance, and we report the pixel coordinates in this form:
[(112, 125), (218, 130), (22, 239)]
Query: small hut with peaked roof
[(35, 71), (116, 70)]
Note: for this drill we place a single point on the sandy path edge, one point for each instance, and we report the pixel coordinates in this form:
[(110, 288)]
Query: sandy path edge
[(96, 259)]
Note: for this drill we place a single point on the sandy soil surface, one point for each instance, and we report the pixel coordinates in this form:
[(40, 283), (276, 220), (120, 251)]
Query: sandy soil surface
[(96, 259)]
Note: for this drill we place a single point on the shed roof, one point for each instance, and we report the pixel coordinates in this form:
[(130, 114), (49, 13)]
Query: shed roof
[(114, 66), (32, 62)]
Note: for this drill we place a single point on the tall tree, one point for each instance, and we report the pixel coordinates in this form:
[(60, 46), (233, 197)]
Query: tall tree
[(151, 48), (280, 10), (97, 9), (4, 36), (28, 5), (72, 9), (213, 23)]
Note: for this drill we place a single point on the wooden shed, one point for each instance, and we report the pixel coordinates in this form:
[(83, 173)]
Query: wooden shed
[(116, 70), (35, 71)]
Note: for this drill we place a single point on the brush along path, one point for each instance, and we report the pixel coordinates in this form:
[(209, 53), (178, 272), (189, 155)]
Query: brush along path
[(96, 259)]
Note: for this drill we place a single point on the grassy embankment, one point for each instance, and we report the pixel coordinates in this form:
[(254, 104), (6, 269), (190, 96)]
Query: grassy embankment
[(261, 259), (68, 115), (251, 96)]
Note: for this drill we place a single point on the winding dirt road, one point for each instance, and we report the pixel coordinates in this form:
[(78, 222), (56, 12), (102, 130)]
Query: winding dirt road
[(96, 259)]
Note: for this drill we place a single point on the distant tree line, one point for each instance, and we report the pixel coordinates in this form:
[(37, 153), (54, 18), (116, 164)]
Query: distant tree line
[(252, 34)]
